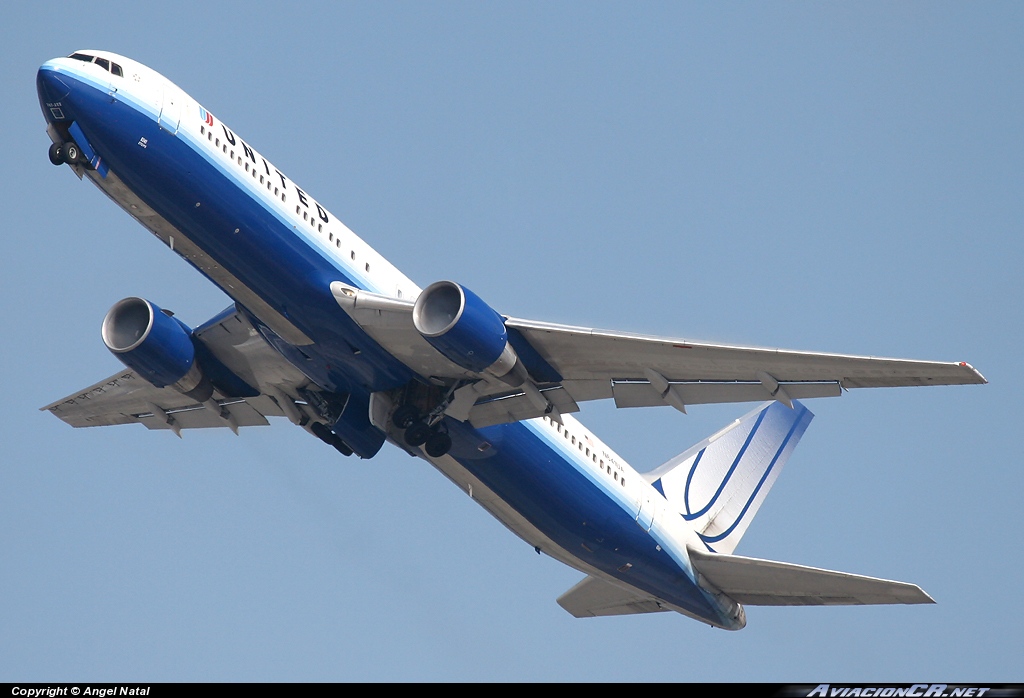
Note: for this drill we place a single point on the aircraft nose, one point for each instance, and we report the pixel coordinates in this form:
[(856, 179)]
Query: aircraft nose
[(49, 85)]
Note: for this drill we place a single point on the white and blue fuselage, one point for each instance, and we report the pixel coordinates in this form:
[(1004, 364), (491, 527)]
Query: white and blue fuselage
[(274, 249)]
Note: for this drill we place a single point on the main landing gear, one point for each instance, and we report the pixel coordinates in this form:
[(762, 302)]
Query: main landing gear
[(323, 433), (418, 431), (66, 153)]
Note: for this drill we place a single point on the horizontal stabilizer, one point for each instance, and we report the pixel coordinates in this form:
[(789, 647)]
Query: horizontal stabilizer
[(768, 583), (594, 597)]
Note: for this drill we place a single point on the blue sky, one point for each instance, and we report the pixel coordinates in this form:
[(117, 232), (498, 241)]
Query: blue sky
[(833, 177)]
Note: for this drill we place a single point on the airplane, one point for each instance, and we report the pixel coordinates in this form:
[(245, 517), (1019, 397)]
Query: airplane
[(328, 334)]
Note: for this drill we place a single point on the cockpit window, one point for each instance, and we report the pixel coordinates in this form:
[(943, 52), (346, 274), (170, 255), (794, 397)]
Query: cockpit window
[(101, 62)]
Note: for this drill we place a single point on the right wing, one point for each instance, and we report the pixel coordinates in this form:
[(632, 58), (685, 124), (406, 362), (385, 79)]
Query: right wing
[(569, 365)]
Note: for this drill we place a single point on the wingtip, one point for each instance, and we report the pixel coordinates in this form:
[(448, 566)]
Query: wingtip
[(977, 374)]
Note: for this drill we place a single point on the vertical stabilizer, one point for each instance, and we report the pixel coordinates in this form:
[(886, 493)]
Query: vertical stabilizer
[(719, 484)]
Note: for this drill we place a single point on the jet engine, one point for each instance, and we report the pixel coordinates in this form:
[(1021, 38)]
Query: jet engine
[(463, 328), (156, 346)]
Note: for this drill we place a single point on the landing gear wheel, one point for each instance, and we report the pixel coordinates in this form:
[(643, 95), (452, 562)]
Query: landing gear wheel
[(405, 416), (438, 444), (71, 153), (417, 434), (56, 154)]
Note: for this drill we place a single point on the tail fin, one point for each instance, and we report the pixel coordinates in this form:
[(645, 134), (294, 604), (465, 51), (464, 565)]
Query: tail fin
[(719, 484)]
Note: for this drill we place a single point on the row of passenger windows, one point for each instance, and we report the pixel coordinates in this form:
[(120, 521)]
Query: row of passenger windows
[(571, 438), (313, 222), (330, 236), (112, 68)]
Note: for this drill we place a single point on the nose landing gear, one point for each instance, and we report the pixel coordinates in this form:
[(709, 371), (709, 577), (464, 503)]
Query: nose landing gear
[(64, 153)]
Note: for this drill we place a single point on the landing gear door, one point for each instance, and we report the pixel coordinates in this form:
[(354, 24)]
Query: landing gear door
[(170, 110)]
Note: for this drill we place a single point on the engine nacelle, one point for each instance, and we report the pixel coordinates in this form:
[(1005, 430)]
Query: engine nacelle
[(156, 346), (463, 328)]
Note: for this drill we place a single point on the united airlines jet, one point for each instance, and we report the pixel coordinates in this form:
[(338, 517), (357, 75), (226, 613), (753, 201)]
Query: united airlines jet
[(328, 334)]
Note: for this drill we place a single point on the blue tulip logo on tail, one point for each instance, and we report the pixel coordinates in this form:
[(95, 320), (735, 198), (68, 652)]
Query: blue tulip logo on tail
[(719, 484)]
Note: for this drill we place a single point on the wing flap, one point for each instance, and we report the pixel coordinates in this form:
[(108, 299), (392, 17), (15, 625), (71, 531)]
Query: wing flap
[(518, 406), (768, 583), (594, 597), (643, 394)]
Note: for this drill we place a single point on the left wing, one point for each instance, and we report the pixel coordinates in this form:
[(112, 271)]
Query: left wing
[(596, 597), (126, 398), (568, 365)]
